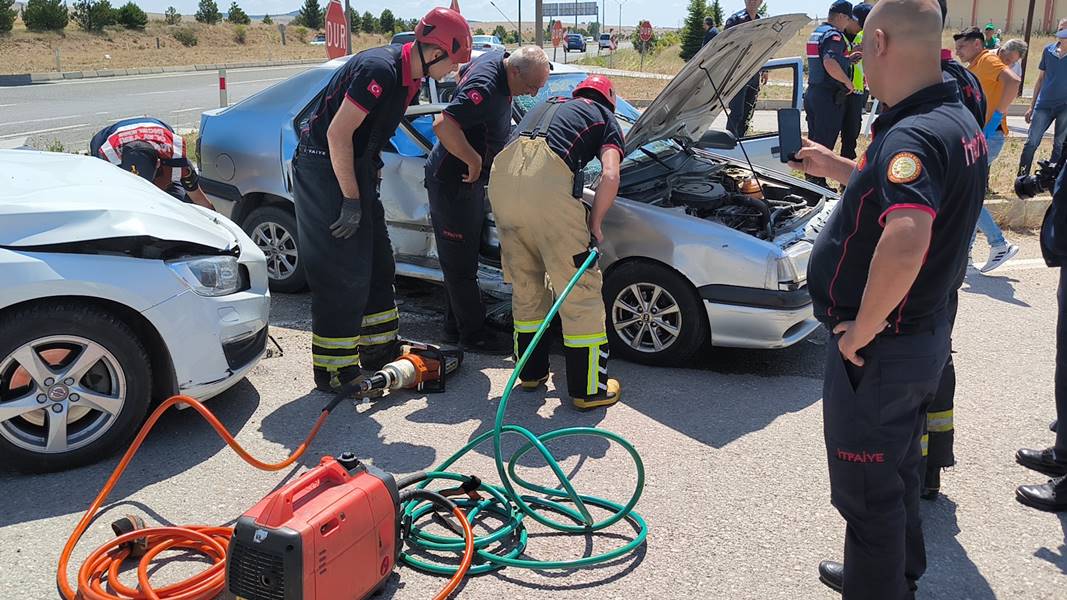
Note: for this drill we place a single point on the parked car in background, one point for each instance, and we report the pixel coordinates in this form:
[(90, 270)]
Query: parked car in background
[(605, 42), (319, 40), (688, 256), (488, 43), (115, 296), (589, 39), (574, 41), (403, 37)]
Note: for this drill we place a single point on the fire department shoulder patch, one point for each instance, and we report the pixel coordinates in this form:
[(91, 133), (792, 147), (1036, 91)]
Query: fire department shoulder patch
[(904, 168)]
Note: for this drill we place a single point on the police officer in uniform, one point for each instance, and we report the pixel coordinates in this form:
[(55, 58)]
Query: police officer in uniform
[(340, 220), (744, 103), (150, 148), (938, 443), (470, 132), (877, 280), (857, 100), (536, 190), (829, 78)]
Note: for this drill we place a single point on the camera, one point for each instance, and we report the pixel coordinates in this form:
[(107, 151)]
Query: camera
[(1028, 186)]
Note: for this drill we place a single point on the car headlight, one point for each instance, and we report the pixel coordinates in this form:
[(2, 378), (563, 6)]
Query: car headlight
[(793, 266), (209, 276)]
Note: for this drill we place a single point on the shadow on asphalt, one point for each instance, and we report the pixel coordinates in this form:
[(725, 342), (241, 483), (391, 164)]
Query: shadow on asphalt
[(997, 287), (1056, 557), (951, 573), (180, 441)]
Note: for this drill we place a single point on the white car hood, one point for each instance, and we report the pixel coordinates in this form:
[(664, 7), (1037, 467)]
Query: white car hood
[(689, 104), (54, 198)]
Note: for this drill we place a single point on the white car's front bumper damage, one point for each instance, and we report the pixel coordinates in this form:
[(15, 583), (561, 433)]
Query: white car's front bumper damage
[(741, 317)]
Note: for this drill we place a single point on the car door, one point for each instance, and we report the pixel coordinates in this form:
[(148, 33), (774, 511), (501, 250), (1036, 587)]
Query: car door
[(784, 89)]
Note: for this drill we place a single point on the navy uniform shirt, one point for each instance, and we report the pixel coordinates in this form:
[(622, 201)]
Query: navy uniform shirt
[(739, 17), (378, 81), (709, 35), (481, 106), (835, 47), (928, 153), (581, 130), (970, 89)]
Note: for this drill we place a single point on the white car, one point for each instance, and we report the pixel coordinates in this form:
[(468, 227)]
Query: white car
[(115, 296), (488, 43)]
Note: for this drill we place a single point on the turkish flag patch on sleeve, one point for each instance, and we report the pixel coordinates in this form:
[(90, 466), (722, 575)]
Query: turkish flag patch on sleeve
[(476, 97), (375, 89)]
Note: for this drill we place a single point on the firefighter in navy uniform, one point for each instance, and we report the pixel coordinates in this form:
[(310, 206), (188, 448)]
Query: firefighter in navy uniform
[(940, 438), (150, 148), (471, 130), (536, 191), (878, 281), (340, 220), (744, 102), (829, 79)]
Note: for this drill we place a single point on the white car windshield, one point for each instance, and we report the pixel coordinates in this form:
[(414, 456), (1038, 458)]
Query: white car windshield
[(483, 39)]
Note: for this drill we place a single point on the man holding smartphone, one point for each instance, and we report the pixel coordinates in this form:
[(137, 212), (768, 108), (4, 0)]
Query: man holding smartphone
[(877, 281)]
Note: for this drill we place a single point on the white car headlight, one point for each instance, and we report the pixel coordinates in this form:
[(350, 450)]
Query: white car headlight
[(793, 266), (209, 276)]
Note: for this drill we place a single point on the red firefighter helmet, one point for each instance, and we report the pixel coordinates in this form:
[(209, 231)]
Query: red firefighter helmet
[(449, 31), (598, 84)]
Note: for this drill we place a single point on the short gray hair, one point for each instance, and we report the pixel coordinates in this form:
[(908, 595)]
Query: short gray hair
[(528, 59), (1018, 46)]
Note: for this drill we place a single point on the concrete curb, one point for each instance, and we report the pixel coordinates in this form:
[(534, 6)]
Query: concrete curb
[(20, 79), (1013, 213)]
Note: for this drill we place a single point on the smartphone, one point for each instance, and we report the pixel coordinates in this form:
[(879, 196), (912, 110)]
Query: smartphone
[(788, 134)]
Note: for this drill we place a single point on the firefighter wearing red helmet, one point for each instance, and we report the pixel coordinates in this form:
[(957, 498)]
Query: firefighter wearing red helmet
[(341, 229), (537, 190)]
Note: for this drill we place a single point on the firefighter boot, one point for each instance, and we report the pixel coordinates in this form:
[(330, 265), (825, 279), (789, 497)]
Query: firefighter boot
[(535, 373), (587, 376)]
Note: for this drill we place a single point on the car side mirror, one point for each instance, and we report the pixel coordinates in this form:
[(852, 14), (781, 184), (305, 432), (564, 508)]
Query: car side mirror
[(717, 140)]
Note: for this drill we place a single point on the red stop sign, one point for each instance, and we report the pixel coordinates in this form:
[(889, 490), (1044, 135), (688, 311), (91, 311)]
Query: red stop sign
[(646, 31), (557, 33), (336, 30)]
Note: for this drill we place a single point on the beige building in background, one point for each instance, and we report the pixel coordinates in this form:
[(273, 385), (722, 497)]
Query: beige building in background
[(1009, 15)]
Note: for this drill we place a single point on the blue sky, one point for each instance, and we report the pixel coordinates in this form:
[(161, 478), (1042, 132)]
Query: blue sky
[(667, 14)]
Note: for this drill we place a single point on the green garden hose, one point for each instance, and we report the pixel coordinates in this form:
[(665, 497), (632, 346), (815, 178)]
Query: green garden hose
[(511, 507)]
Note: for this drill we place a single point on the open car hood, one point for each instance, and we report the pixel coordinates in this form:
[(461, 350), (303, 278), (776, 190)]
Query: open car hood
[(50, 198), (690, 102)]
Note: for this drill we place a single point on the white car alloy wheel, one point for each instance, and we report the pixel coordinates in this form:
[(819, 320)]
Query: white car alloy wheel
[(646, 317), (60, 393)]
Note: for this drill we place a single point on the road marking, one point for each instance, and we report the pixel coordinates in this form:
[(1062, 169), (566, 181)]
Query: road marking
[(190, 109), (29, 133), (5, 105), (103, 112), (39, 120), (1024, 264), (157, 93)]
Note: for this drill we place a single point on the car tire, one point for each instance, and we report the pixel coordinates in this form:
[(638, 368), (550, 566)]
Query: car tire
[(273, 229), (678, 319), (60, 334)]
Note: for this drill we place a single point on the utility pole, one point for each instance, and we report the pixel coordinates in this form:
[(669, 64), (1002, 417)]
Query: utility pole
[(519, 2), (1029, 29), (539, 24)]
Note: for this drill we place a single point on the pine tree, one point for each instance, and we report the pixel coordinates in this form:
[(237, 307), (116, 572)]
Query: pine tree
[(387, 22), (131, 16), (267, 20), (7, 15), (237, 15), (208, 12), (500, 32), (171, 17), (45, 15), (714, 11), (693, 32), (311, 14), (369, 24), (93, 15)]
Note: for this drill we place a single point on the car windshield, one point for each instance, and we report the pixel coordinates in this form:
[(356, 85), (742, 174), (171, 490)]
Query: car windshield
[(483, 39)]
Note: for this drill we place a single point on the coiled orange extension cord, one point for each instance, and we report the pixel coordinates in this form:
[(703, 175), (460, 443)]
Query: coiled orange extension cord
[(103, 564)]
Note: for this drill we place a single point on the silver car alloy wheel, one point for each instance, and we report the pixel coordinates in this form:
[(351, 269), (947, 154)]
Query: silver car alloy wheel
[(646, 317), (279, 246), (59, 393)]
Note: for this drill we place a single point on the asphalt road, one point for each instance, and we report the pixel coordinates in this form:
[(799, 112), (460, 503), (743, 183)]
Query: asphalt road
[(737, 495), (71, 112)]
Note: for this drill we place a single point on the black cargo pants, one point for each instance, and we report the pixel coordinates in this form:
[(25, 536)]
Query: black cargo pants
[(852, 124), (873, 421), (825, 118), (742, 105), (458, 211), (940, 438), (354, 320)]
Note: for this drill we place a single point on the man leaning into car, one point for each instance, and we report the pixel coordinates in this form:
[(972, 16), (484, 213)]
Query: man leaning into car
[(340, 220)]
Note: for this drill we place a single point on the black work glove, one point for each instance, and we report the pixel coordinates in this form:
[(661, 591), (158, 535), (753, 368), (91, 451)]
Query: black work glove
[(190, 180), (348, 222)]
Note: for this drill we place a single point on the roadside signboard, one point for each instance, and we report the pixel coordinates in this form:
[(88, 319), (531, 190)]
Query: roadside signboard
[(570, 9), (336, 30), (646, 31)]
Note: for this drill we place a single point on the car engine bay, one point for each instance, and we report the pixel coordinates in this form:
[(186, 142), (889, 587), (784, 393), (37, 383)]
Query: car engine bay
[(729, 195)]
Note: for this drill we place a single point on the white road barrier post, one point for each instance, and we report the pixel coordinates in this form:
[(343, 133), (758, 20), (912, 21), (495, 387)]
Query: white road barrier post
[(223, 100), (58, 68)]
